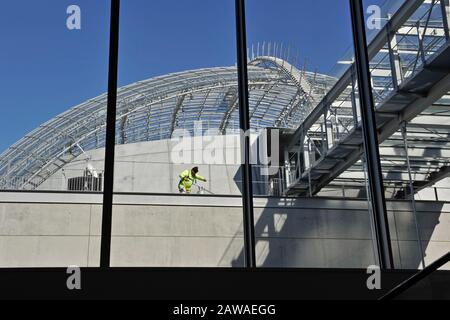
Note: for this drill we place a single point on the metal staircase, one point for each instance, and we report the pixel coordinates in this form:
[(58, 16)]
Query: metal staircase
[(410, 66)]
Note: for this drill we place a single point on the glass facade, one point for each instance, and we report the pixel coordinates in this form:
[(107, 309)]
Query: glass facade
[(323, 114), (51, 185), (179, 181)]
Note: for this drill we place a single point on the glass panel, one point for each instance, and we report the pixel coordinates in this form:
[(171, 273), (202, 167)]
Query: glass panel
[(318, 214), (177, 109), (412, 109), (54, 78)]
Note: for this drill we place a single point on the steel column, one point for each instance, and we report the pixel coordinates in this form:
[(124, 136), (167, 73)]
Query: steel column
[(310, 161), (445, 8), (244, 121), (354, 100), (370, 136), (412, 192), (105, 248), (394, 58)]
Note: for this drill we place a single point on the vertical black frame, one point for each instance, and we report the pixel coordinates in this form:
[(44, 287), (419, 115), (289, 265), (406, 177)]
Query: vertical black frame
[(370, 136), (105, 248), (247, 195), (244, 122)]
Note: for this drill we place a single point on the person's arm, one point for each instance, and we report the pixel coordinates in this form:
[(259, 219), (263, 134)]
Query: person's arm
[(199, 177)]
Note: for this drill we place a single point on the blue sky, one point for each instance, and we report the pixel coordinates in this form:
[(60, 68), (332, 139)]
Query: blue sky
[(46, 68)]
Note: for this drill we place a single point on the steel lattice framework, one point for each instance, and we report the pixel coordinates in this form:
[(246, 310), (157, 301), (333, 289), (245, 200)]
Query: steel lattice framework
[(280, 96)]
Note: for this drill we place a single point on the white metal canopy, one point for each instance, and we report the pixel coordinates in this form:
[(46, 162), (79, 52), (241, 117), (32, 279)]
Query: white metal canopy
[(152, 109)]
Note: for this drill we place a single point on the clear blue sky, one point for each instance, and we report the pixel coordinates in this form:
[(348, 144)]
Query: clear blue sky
[(46, 69)]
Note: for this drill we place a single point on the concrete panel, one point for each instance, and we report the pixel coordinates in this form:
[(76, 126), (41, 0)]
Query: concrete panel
[(315, 253), (433, 226), (146, 158), (396, 254), (341, 253), (94, 251), (406, 227), (38, 198), (393, 228), (152, 147), (95, 228), (408, 254), (151, 177), (436, 249), (44, 219), (123, 177), (219, 174), (175, 252), (207, 231), (43, 251), (176, 221), (410, 257), (310, 223)]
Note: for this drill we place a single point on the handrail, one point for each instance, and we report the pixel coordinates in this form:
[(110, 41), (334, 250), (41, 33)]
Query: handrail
[(407, 284)]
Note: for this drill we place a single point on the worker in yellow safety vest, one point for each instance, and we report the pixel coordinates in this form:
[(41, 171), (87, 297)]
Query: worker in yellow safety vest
[(188, 178)]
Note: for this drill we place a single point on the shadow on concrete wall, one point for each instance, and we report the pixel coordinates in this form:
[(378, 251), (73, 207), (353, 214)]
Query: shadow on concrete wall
[(259, 182), (274, 249), (277, 246), (402, 224)]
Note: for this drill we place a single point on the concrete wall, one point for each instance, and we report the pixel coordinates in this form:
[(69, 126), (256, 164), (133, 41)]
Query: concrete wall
[(153, 167), (43, 230)]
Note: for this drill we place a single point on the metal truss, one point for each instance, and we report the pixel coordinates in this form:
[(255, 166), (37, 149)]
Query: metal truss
[(154, 109), (410, 72)]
